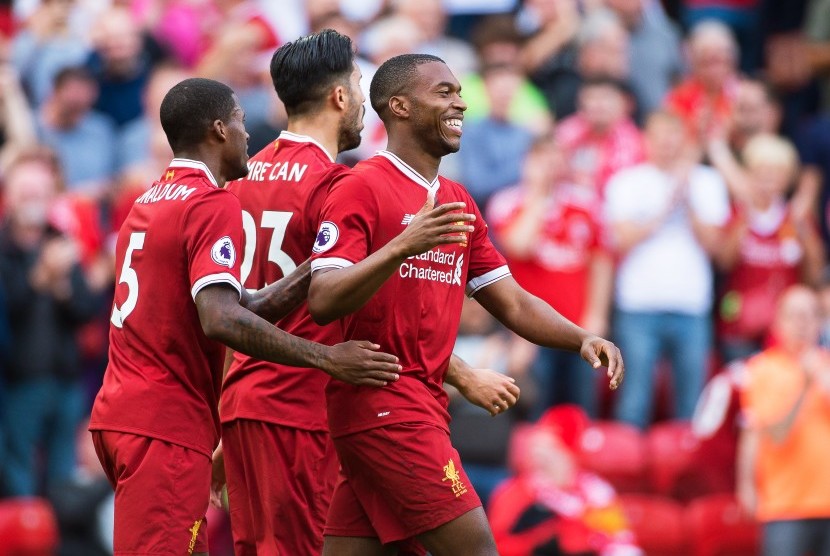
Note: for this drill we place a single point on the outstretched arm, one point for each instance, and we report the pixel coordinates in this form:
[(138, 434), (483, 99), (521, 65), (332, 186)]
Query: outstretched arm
[(224, 320), (335, 293), (280, 298), (536, 321)]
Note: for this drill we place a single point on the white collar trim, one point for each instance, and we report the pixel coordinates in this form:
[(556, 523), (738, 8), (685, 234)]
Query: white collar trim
[(196, 165), (297, 138), (410, 172)]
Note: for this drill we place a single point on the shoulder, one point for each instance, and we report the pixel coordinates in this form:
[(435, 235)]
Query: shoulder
[(638, 176)]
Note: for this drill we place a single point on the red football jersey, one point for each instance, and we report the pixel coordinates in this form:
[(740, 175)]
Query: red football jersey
[(558, 268), (415, 314), (281, 199), (164, 374)]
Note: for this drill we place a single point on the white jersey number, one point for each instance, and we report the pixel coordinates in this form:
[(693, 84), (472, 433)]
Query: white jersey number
[(129, 277), (278, 222)]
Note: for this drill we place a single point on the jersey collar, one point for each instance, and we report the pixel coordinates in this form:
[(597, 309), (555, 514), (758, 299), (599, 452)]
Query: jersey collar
[(409, 171), (196, 165), (297, 138)]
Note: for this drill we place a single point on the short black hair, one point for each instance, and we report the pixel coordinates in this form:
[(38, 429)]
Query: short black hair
[(190, 108), (394, 76), (73, 73), (606, 81), (304, 70)]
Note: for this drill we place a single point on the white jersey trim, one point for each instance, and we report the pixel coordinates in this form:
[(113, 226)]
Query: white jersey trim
[(330, 262), (479, 282), (222, 277), (297, 138), (195, 164), (408, 171)]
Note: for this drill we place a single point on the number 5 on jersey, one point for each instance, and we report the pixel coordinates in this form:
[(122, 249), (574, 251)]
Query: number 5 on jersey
[(129, 277)]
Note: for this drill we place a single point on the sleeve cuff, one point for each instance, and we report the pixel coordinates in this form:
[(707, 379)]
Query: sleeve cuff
[(475, 284), (329, 262), (222, 277)]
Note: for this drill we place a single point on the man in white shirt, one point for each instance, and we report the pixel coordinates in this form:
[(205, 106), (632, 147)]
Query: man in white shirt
[(664, 216)]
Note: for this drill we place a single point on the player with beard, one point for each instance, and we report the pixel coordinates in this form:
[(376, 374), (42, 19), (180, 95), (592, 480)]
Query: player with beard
[(400, 476), (178, 298), (279, 459)]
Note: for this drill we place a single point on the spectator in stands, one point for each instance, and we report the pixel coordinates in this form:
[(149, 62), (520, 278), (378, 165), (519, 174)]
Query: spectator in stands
[(665, 217), (121, 62), (601, 138), (83, 139), (431, 19), (655, 59), (706, 97), (494, 147), (498, 43), (783, 450), (49, 299), (241, 43), (552, 506), (143, 151), (766, 248), (744, 20), (46, 45), (550, 232), (484, 344), (755, 111), (549, 54)]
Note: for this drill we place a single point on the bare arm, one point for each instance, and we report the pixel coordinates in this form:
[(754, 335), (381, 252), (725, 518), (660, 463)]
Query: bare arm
[(708, 236), (519, 239), (225, 320), (280, 298), (745, 470), (600, 293), (536, 321), (487, 389), (736, 179), (812, 266), (335, 293)]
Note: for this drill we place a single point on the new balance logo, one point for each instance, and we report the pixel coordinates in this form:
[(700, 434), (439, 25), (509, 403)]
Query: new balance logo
[(407, 218)]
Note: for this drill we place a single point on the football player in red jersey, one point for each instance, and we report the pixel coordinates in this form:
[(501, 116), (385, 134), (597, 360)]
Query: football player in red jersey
[(400, 476), (177, 300), (279, 459)]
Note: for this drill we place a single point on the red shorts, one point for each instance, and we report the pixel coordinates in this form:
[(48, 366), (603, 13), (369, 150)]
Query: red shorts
[(162, 492), (397, 482), (280, 482)]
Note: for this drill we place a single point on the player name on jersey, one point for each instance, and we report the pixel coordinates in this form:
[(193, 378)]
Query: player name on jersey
[(259, 170), (166, 191)]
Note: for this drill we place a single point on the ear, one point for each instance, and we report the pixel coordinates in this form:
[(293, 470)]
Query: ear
[(399, 107), (219, 131), (339, 96)]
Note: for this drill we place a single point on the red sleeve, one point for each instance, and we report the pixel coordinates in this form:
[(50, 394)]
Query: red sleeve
[(487, 265), (347, 222), (212, 231)]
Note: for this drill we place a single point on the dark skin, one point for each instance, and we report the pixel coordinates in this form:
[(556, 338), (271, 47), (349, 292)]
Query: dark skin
[(239, 324), (417, 125)]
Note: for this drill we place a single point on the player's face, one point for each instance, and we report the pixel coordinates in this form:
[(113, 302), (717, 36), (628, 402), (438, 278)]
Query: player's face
[(236, 152), (352, 123), (437, 107)]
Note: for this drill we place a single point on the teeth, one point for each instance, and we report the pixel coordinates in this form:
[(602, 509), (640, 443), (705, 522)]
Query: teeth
[(456, 123)]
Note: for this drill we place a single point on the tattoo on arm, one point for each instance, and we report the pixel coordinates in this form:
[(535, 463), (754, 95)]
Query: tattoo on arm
[(280, 298)]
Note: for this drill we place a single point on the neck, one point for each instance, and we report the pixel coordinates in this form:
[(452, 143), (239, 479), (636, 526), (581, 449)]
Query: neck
[(323, 128), (209, 157), (26, 237), (411, 152)]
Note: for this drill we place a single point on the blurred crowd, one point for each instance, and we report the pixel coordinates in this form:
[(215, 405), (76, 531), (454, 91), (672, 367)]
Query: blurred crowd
[(654, 170)]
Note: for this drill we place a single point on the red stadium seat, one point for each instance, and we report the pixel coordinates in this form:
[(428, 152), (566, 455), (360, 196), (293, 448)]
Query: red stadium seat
[(615, 452), (27, 527), (671, 448), (657, 523), (719, 527)]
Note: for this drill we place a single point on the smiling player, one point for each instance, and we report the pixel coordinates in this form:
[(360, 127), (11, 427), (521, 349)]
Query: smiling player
[(400, 476)]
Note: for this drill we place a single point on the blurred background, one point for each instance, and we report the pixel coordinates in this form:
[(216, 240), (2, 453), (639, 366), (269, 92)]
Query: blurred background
[(654, 170)]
